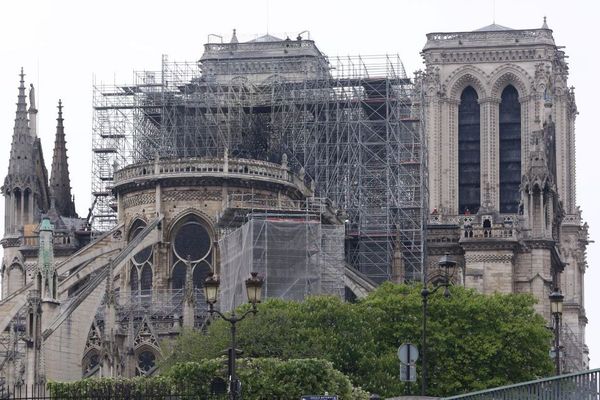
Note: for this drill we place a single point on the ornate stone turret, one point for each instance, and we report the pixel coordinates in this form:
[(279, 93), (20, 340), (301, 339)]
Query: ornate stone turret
[(541, 206), (26, 185), (47, 280), (60, 183)]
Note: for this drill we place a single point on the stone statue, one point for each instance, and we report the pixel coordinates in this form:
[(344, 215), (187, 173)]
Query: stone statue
[(32, 97)]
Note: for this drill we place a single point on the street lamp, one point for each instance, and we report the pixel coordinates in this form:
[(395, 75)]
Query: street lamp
[(556, 307), (447, 265), (211, 294)]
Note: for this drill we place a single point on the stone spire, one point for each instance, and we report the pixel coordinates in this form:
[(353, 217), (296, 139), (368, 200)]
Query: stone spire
[(25, 187), (234, 38), (21, 150), (60, 183), (545, 24)]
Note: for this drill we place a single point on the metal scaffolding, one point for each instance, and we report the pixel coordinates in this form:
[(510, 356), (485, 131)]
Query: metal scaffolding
[(351, 125)]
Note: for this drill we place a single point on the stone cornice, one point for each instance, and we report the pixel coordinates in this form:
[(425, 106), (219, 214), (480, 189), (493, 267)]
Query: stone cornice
[(490, 244), (540, 243)]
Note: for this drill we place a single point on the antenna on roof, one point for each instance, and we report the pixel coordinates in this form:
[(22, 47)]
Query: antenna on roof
[(493, 11)]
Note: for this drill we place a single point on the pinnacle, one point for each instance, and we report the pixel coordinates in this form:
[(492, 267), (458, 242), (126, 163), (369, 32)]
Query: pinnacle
[(60, 183)]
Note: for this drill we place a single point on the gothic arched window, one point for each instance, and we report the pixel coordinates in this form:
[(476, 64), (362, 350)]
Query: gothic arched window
[(191, 239), (90, 362), (16, 277), (140, 276), (510, 150), (469, 153), (146, 361)]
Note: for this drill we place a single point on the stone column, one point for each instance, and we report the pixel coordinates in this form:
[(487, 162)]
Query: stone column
[(158, 199), (30, 215), (542, 215), (531, 208), (489, 152), (7, 211), (450, 148), (433, 127), (189, 299), (22, 217), (120, 213)]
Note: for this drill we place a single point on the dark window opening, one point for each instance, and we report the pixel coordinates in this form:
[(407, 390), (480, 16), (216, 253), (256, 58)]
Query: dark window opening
[(178, 277), (134, 279), (146, 278), (146, 362), (469, 154), (510, 150), (191, 239), (200, 274)]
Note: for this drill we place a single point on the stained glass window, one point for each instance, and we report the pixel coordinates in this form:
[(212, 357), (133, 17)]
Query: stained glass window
[(469, 153), (146, 361), (191, 238), (510, 150), (140, 277)]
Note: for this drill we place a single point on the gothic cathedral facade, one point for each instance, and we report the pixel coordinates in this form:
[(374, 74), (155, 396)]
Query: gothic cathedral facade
[(500, 131), (498, 120)]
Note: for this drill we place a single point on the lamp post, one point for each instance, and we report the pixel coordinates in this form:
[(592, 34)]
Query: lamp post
[(211, 293), (447, 264), (556, 305)]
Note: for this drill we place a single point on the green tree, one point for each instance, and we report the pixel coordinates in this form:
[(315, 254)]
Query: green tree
[(474, 341), (262, 378)]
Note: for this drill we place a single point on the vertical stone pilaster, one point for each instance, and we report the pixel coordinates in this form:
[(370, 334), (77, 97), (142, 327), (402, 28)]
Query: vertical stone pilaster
[(30, 219), (6, 213), (452, 154), (444, 156), (434, 134), (22, 205), (558, 117), (489, 152), (158, 200), (120, 210)]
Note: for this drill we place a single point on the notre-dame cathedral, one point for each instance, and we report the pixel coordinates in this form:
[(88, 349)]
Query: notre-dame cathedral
[(262, 157)]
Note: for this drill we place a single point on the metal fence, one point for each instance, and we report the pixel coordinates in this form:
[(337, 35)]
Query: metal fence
[(114, 392), (577, 386)]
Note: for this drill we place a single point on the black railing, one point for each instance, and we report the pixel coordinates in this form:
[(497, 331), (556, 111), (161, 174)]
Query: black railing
[(583, 385), (150, 391)]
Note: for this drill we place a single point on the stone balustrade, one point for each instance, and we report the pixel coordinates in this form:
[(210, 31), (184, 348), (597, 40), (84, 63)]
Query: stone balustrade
[(58, 239), (496, 232), (453, 39), (255, 46), (208, 167)]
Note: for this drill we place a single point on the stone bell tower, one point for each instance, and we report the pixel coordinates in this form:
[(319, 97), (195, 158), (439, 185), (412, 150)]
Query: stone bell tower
[(499, 121)]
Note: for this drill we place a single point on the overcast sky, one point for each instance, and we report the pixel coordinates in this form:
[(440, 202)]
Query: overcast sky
[(65, 45)]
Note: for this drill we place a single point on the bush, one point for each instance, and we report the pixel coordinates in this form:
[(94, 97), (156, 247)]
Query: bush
[(265, 378)]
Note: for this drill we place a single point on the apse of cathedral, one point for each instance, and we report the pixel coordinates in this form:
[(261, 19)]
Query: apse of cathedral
[(264, 158)]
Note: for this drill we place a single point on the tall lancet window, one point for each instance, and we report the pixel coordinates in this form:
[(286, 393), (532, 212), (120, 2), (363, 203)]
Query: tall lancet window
[(469, 153), (510, 150), (140, 277)]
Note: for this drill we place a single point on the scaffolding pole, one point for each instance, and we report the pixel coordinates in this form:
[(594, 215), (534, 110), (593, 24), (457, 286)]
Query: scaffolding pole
[(354, 129)]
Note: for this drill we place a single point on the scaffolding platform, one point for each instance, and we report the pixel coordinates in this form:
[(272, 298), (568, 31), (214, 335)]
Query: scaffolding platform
[(352, 125)]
